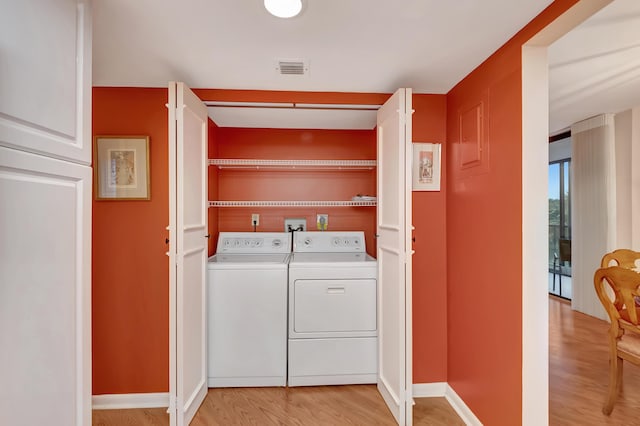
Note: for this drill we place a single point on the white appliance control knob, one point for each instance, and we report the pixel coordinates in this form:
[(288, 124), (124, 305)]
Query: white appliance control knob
[(307, 242), (335, 241), (277, 242)]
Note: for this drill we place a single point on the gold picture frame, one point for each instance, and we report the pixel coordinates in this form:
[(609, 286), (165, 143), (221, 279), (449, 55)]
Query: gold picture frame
[(426, 167), (121, 168)]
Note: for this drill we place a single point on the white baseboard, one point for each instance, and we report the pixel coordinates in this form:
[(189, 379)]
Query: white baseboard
[(130, 400), (429, 390), (461, 408), (442, 389)]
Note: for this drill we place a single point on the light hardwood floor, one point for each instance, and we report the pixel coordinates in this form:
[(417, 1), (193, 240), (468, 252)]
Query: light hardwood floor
[(578, 367), (326, 405), (579, 372)]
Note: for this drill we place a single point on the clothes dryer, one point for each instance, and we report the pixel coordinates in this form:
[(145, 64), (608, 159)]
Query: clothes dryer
[(332, 310)]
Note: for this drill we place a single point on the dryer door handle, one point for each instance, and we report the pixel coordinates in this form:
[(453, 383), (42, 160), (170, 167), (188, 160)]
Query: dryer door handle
[(335, 290)]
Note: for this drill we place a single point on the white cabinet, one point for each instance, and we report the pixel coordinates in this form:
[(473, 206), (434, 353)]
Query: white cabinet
[(45, 290), (45, 212), (45, 82)]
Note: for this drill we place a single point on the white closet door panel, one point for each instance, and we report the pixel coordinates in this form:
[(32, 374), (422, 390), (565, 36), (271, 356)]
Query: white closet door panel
[(46, 77), (188, 138), (45, 290), (394, 255)]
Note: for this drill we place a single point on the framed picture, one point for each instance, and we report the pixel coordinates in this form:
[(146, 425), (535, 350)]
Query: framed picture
[(121, 168), (426, 167)]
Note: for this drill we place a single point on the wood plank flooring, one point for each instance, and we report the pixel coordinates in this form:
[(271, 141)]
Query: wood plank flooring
[(308, 406), (579, 372), (578, 367)]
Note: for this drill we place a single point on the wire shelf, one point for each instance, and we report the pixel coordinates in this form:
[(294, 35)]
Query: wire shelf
[(292, 203), (256, 164)]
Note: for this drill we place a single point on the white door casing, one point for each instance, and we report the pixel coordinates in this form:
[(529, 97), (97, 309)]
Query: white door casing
[(45, 84), (45, 290), (188, 232), (394, 255)]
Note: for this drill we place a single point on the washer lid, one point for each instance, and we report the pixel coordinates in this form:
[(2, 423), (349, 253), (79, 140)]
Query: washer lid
[(248, 259)]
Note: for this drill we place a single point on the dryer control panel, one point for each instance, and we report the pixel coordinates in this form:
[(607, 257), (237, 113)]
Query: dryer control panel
[(329, 242), (254, 242)]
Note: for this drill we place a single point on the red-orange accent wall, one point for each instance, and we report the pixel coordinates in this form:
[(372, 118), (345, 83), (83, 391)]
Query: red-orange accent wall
[(130, 276), (484, 234), (130, 269), (297, 184), (226, 95), (429, 260)]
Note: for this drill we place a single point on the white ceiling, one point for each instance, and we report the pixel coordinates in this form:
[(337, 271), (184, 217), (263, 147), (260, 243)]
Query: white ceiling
[(355, 46), (595, 68), (293, 118), (351, 45)]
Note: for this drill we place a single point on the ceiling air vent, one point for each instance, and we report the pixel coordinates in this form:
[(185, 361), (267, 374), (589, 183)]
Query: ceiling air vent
[(292, 67)]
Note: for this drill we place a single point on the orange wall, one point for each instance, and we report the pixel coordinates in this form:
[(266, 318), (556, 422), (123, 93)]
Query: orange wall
[(130, 269), (130, 285), (225, 95), (429, 260), (297, 185), (484, 236)]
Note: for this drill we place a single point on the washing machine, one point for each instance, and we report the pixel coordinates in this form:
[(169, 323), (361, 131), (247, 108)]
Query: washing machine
[(332, 310), (247, 310)]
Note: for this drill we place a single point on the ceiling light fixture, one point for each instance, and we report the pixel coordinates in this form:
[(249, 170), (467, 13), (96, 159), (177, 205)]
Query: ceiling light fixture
[(283, 8)]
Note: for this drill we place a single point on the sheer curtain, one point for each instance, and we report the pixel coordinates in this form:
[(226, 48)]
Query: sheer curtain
[(593, 214)]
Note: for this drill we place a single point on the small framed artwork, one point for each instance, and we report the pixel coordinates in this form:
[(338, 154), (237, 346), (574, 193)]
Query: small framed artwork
[(426, 167), (121, 168)]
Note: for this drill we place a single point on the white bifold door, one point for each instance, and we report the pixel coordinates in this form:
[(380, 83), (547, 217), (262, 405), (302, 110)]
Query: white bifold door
[(394, 255), (188, 233)]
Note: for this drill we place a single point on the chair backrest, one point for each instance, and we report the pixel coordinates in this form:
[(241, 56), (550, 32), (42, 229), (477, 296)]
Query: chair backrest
[(565, 250), (622, 257), (624, 282)]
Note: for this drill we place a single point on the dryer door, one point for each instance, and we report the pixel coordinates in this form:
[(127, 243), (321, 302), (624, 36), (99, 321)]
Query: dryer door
[(334, 307)]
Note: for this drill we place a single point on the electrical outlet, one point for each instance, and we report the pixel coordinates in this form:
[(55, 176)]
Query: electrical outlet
[(295, 224), (255, 219), (322, 222)]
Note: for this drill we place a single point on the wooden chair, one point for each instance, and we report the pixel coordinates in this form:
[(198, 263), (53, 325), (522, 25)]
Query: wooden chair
[(624, 332), (622, 257), (564, 247)]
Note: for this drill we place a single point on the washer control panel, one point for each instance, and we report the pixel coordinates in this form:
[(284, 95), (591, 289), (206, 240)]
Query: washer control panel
[(254, 242), (329, 242)]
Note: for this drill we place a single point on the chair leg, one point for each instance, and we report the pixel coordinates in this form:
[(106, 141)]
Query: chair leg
[(615, 378), (560, 284)]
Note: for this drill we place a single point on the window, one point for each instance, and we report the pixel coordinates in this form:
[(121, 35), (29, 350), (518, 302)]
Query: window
[(559, 226)]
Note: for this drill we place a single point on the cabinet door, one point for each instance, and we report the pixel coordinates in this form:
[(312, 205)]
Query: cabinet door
[(45, 106), (45, 290)]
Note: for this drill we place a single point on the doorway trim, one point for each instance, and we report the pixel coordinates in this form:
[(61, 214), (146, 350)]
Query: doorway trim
[(535, 158)]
